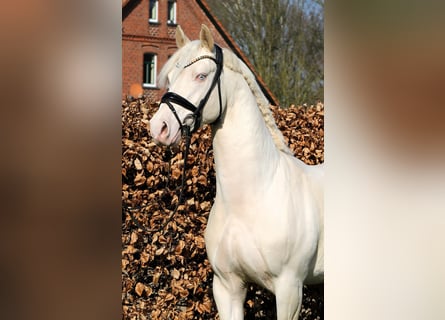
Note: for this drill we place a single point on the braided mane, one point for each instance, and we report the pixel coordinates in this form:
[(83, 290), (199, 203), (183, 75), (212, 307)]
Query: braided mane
[(232, 62)]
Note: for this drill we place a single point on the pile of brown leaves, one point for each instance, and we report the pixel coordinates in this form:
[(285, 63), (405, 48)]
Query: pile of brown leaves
[(165, 271)]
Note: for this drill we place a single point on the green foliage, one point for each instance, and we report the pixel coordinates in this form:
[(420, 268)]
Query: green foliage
[(284, 40)]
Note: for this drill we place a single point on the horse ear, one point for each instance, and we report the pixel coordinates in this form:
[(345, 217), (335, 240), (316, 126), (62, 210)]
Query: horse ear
[(206, 38), (181, 38)]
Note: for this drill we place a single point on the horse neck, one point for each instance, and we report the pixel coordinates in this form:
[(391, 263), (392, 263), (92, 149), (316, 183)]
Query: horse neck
[(245, 154)]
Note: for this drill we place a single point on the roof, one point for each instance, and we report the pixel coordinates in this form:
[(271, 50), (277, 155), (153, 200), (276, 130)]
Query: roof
[(126, 8), (124, 3), (226, 36)]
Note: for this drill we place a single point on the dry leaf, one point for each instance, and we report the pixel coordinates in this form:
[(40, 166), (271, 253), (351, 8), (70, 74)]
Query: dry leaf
[(176, 173), (144, 257), (130, 249), (175, 273), (134, 237), (169, 297), (139, 289), (137, 164), (179, 247), (140, 179)]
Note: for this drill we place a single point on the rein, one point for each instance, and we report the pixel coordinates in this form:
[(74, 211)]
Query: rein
[(186, 126)]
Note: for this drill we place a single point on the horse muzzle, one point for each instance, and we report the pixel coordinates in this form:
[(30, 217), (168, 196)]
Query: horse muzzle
[(165, 132)]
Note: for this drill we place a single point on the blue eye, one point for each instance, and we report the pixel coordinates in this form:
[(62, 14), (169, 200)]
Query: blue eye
[(201, 76)]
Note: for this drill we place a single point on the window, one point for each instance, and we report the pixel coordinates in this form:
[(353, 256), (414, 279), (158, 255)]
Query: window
[(149, 71), (171, 19), (153, 12)]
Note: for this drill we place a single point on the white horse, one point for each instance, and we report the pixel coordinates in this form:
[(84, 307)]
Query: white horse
[(266, 223)]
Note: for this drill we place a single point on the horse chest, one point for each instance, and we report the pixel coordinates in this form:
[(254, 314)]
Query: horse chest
[(236, 248)]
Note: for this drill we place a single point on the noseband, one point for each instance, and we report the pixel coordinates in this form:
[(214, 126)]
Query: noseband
[(195, 118)]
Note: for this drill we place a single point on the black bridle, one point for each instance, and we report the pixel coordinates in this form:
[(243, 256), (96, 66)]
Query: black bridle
[(195, 118)]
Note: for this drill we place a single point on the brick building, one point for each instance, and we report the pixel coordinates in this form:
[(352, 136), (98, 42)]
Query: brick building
[(148, 39)]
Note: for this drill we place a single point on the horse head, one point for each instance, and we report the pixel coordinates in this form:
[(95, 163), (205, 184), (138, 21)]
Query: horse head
[(192, 76)]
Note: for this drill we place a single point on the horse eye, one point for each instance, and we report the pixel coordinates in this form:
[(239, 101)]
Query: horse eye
[(201, 76)]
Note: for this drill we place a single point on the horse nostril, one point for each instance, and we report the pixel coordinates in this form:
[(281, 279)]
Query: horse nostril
[(164, 129)]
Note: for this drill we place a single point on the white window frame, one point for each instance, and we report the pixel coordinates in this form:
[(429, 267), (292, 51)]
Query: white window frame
[(153, 71), (169, 20), (155, 10)]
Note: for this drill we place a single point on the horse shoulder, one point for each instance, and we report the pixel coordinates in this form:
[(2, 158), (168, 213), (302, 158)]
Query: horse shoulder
[(304, 185)]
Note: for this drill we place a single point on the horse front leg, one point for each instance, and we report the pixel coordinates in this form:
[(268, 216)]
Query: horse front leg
[(288, 294), (229, 293)]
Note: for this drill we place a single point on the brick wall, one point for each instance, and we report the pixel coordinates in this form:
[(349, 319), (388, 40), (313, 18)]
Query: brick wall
[(139, 37)]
